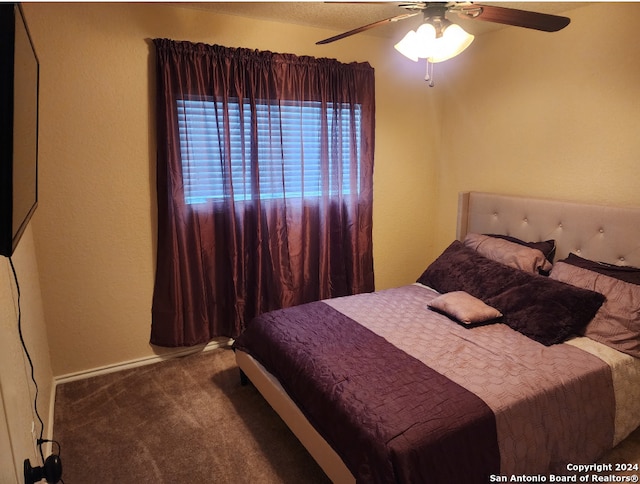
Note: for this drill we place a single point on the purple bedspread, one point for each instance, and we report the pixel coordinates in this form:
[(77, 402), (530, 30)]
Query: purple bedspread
[(411, 424)]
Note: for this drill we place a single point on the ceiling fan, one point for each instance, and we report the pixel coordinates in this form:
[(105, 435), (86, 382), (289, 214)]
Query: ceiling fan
[(488, 13), (439, 39)]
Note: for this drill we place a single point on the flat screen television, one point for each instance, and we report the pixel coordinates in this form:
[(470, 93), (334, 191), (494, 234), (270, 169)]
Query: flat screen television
[(19, 83)]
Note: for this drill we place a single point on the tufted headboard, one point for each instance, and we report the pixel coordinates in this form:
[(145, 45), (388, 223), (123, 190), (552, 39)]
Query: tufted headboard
[(597, 232)]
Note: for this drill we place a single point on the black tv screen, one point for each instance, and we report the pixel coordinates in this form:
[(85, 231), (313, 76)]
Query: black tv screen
[(19, 82)]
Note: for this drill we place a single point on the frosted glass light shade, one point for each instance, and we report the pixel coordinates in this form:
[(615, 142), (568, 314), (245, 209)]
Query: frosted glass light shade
[(417, 44), (454, 40), (423, 43)]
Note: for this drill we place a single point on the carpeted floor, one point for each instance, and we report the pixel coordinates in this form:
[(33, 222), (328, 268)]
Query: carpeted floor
[(188, 420), (185, 420)]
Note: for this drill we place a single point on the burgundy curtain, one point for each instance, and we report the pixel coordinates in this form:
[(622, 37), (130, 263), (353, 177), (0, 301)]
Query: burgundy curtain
[(221, 261)]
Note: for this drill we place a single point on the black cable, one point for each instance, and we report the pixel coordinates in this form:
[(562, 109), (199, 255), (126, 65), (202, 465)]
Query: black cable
[(42, 441), (26, 352)]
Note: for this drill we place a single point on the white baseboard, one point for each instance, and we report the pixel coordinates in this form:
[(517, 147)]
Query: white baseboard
[(177, 352)]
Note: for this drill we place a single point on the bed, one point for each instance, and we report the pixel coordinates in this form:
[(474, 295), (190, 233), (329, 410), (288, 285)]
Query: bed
[(516, 352)]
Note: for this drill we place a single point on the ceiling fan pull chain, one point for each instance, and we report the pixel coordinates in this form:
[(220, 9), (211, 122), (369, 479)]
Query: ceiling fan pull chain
[(429, 76)]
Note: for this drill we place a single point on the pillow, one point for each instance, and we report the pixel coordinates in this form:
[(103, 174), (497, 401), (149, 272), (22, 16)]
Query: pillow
[(545, 310), (460, 268), (624, 273), (509, 253), (617, 323), (547, 247), (464, 308)]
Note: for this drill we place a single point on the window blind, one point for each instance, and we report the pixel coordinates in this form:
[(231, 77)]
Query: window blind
[(272, 152)]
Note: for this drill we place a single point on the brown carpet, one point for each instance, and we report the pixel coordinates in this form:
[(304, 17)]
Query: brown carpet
[(188, 420)]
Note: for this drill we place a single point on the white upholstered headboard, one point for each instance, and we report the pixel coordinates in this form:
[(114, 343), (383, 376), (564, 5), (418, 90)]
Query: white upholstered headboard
[(597, 232)]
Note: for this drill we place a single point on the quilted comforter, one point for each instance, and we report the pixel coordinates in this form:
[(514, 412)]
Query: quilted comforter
[(404, 394)]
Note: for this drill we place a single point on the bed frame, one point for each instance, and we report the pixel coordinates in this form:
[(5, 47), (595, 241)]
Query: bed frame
[(603, 233)]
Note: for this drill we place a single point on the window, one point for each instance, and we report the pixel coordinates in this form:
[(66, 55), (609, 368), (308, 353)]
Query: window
[(279, 154), (241, 124)]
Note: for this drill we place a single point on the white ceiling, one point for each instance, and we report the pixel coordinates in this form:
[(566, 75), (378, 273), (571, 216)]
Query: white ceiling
[(343, 16)]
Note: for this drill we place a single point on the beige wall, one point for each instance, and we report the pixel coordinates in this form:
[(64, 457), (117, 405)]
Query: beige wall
[(17, 392), (95, 230), (552, 115)]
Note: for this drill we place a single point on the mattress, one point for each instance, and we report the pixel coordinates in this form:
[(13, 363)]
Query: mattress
[(547, 405)]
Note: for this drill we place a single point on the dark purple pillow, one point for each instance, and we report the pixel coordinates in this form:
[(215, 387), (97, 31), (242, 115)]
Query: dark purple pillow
[(543, 309), (623, 273), (547, 247)]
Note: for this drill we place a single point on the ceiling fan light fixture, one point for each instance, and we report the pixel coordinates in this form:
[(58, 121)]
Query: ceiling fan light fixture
[(409, 46), (454, 41), (427, 43)]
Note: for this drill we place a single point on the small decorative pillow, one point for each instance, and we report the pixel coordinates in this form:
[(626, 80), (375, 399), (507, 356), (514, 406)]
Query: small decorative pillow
[(509, 253), (464, 308), (617, 322)]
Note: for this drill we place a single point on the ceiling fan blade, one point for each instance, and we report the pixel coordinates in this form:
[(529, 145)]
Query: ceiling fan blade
[(366, 27), (519, 18)]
